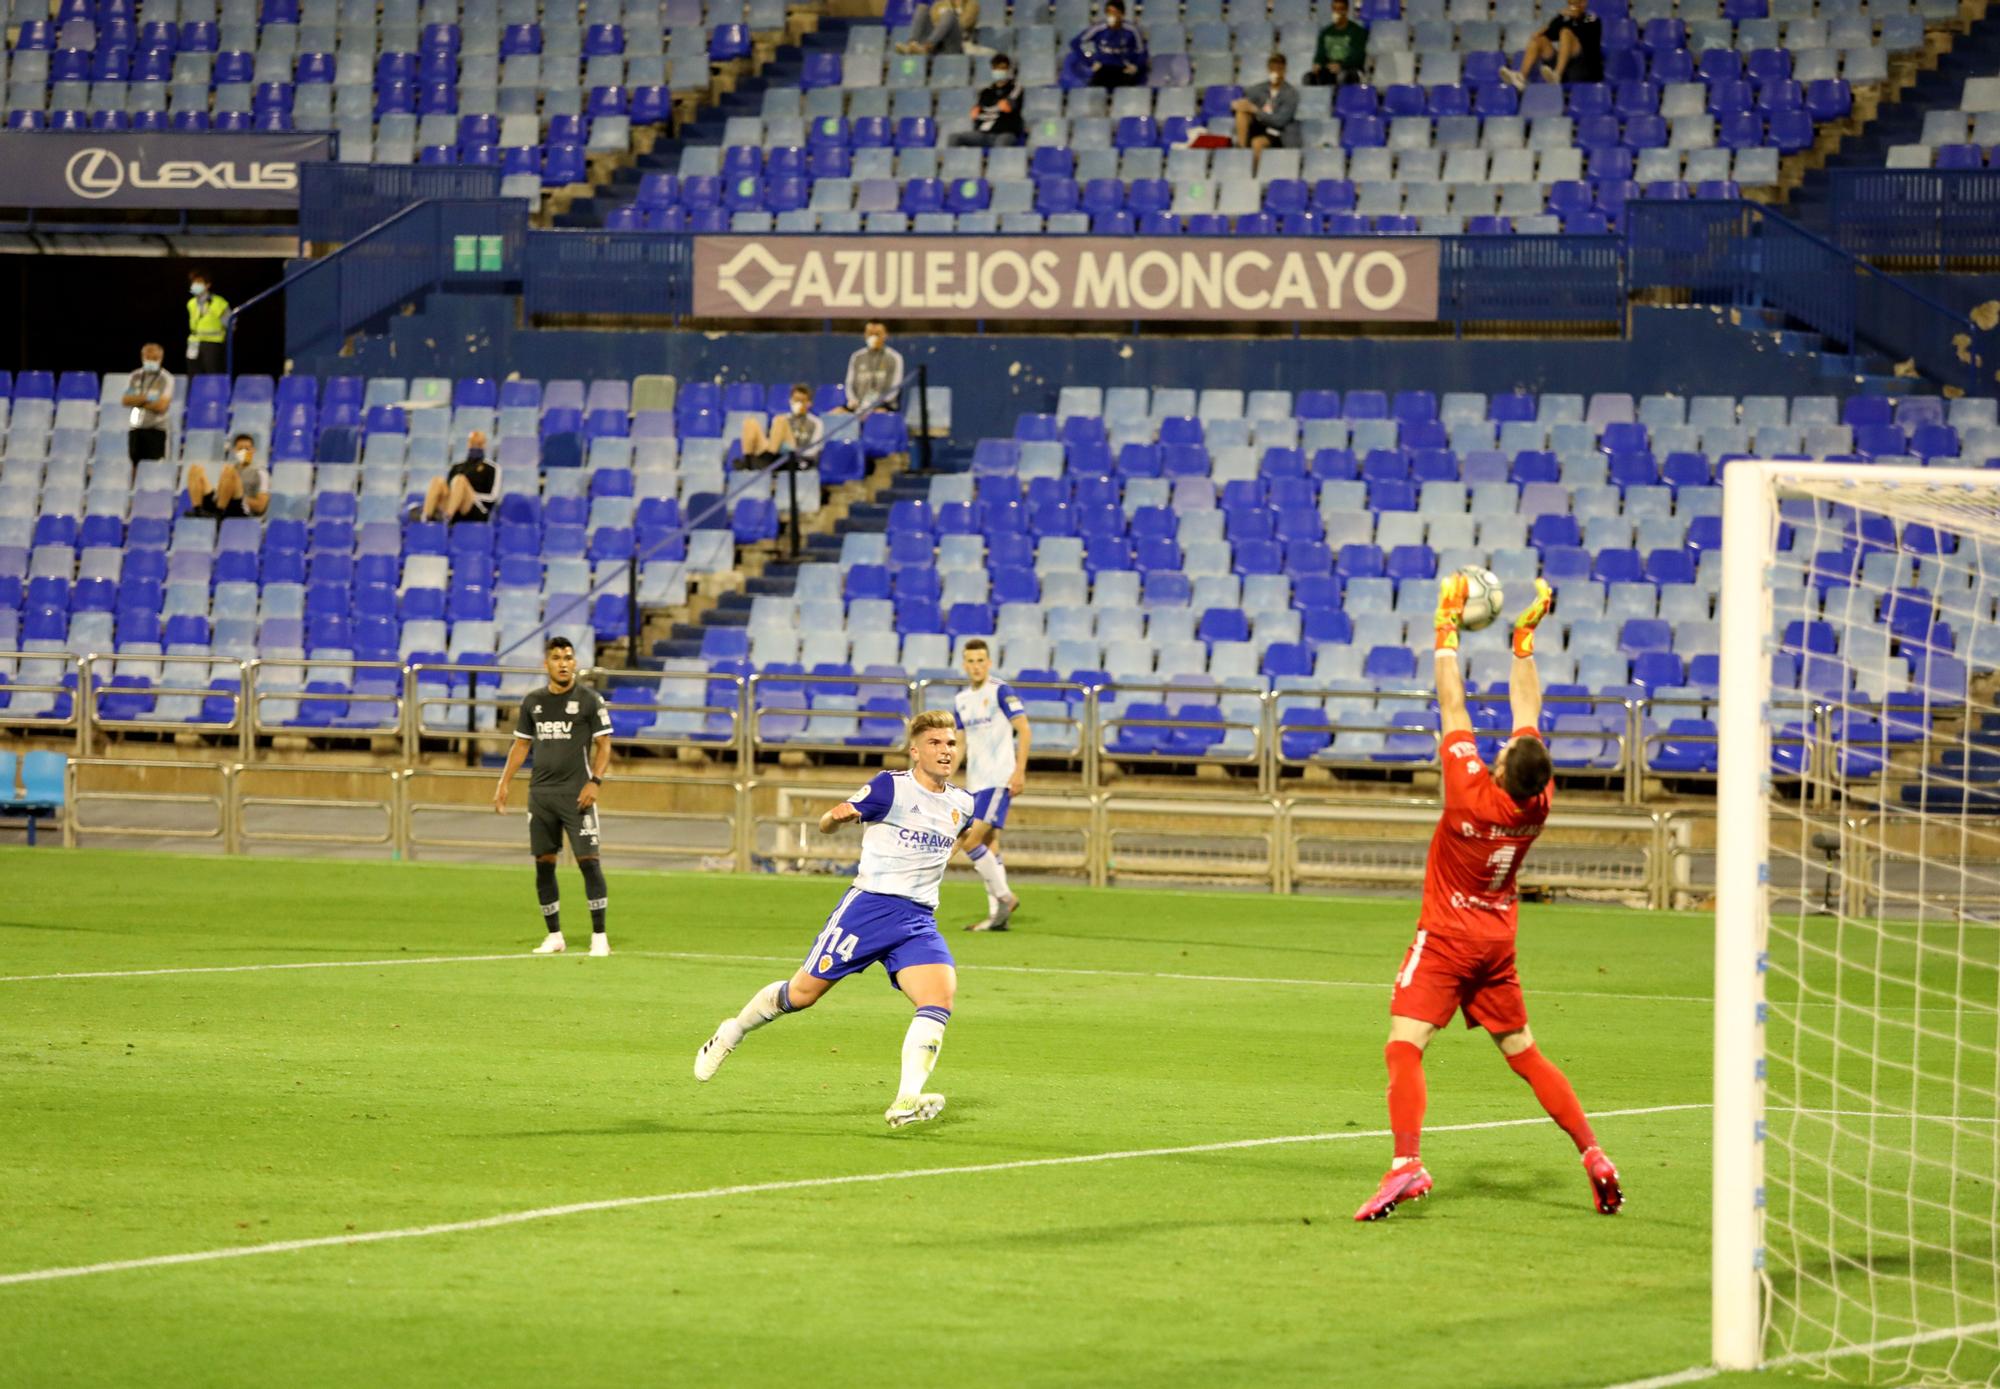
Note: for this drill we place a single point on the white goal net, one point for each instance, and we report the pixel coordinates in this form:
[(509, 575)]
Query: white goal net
[(1857, 1218)]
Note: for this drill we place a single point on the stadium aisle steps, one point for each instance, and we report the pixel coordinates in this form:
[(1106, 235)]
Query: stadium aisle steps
[(781, 576), (1874, 376), (1972, 54), (786, 67)]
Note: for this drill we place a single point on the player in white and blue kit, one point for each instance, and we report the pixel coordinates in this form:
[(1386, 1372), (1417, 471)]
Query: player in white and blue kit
[(914, 822), (996, 768)]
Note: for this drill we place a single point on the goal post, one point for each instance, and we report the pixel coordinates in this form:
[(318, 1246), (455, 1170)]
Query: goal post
[(1856, 1128), (1741, 829)]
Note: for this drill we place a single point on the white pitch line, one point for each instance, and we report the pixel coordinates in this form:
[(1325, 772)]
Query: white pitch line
[(1695, 1374), (1192, 978), (494, 1222), (792, 959), (251, 969)]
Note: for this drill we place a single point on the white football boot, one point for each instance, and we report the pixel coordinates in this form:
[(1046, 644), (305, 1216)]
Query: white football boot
[(709, 1059), (913, 1109)]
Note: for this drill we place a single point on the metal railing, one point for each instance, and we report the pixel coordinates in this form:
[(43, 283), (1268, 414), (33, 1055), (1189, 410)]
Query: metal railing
[(1107, 837), (1270, 739), (575, 272), (407, 253), (1278, 819), (1742, 255), (1943, 219), (338, 202)]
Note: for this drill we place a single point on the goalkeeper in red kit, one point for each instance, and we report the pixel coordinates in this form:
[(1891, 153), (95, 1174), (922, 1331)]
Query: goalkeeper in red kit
[(1463, 957)]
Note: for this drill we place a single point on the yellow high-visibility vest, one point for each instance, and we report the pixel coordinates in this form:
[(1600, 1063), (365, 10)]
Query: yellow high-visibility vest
[(207, 325)]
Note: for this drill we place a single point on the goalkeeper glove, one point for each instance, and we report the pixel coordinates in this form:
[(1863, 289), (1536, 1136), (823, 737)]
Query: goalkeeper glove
[(1450, 610), (1531, 617)]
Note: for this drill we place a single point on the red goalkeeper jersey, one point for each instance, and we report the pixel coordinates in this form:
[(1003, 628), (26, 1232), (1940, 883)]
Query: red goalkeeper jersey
[(1478, 846)]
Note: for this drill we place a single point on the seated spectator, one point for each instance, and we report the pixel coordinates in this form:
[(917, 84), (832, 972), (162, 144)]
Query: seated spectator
[(996, 118), (944, 27), (467, 491), (1573, 42), (874, 374), (1111, 54), (240, 487), (1341, 55), (800, 433), (149, 394), (1268, 113)]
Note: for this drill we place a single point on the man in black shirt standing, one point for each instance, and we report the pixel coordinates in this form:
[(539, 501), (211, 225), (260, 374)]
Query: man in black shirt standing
[(996, 118), (569, 729), (1573, 43), (467, 491)]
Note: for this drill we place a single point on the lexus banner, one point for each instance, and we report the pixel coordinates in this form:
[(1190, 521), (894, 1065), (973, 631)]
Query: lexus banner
[(196, 171), (1066, 277)]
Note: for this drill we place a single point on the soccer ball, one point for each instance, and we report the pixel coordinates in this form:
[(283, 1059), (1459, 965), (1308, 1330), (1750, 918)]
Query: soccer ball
[(1483, 597)]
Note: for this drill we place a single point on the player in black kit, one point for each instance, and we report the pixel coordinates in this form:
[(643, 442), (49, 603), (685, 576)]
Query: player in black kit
[(568, 727)]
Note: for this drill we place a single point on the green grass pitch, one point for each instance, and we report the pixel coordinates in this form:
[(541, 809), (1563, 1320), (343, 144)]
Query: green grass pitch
[(175, 1112)]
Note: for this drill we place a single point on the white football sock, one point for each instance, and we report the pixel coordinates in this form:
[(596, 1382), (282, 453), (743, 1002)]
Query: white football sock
[(764, 1006), (992, 872), (920, 1048)]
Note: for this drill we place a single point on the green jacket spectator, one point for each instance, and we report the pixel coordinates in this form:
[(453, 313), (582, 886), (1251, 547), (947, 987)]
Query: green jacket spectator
[(1341, 55)]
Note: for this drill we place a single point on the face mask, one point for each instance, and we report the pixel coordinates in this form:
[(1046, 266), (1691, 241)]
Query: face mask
[(799, 407), (199, 288), (149, 363), (243, 456), (874, 342), (1001, 75), (1277, 78)]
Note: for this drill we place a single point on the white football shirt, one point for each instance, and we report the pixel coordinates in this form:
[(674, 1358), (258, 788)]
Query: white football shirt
[(908, 836), (987, 716)]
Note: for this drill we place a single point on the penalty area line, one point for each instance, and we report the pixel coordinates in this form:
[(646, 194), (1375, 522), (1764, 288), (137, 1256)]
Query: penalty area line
[(617, 1203)]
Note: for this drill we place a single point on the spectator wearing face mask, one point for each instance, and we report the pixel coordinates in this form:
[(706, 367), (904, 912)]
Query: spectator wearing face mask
[(996, 117), (944, 27), (1267, 113), (1340, 56), (874, 374), (468, 489), (799, 432), (208, 326), (240, 488), (1111, 54), (149, 395)]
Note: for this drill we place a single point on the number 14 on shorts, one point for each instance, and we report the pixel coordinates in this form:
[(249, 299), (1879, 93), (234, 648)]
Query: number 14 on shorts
[(832, 942)]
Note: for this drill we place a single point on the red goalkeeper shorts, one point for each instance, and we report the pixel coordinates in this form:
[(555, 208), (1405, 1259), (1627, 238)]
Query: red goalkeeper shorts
[(1442, 975)]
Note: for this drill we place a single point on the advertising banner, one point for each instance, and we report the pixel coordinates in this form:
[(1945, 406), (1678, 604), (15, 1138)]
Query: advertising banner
[(1208, 279), (179, 169)]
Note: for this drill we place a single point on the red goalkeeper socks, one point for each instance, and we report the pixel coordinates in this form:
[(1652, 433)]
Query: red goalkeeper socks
[(1553, 1090), (1406, 1096)]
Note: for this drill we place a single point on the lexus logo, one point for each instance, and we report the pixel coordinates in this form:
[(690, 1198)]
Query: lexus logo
[(94, 173)]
